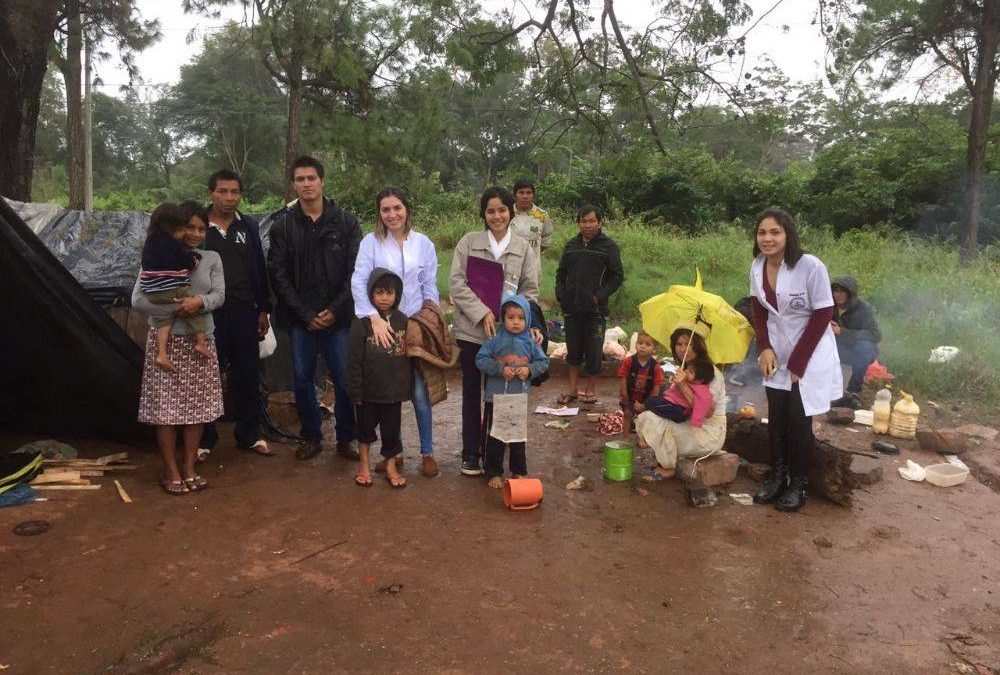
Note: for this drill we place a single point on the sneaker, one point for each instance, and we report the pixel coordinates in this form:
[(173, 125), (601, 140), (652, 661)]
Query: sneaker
[(308, 450), (471, 467)]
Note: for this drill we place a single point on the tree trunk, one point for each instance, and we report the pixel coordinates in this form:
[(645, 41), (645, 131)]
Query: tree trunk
[(26, 29), (72, 70), (979, 126), (293, 136), (88, 129)]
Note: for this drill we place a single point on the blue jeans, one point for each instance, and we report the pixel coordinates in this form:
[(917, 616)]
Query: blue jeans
[(858, 354), (307, 345), (422, 410)]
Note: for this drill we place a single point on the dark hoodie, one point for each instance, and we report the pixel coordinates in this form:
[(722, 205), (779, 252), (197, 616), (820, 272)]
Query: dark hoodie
[(857, 320), (375, 374)]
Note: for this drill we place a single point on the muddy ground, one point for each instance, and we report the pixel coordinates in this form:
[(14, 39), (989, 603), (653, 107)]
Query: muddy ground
[(286, 567)]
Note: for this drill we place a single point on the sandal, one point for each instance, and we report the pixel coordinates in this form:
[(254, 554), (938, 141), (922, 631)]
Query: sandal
[(260, 447), (195, 483), (363, 480), (380, 465), (174, 487), (654, 476), (589, 399), (397, 483), (566, 399)]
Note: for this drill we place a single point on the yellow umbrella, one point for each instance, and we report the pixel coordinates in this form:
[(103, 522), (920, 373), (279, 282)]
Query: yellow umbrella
[(727, 333)]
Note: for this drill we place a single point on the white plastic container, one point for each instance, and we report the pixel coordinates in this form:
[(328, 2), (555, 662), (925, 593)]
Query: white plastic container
[(881, 411), (945, 474)]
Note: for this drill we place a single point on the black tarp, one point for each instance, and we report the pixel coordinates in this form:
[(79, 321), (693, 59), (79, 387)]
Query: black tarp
[(66, 368)]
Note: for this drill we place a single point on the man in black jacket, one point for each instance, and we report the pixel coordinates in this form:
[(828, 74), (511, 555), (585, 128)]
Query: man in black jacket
[(589, 272), (857, 334), (314, 244), (242, 320)]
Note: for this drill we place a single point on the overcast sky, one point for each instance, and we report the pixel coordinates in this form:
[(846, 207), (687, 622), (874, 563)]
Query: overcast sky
[(785, 35)]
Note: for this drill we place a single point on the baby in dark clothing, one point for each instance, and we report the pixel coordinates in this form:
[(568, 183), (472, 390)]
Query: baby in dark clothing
[(165, 277)]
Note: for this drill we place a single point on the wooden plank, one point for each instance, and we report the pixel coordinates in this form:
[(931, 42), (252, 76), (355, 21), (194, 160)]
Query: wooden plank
[(116, 457), (88, 465), (122, 493), (67, 487), (56, 477)]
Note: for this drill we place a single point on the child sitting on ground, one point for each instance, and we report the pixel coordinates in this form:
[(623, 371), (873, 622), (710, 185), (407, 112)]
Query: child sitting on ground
[(689, 398), (639, 376), (166, 277), (510, 357), (378, 380)]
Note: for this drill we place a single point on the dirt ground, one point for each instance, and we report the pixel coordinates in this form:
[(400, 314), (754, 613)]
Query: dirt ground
[(286, 567)]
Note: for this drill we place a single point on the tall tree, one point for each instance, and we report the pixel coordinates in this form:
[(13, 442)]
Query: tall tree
[(96, 21), (25, 35), (227, 104), (887, 39), (657, 71)]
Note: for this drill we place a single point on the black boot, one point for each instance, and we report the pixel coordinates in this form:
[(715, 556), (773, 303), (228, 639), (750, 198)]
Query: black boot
[(795, 495), (774, 486)]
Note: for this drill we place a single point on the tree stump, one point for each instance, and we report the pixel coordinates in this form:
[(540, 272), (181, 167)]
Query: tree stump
[(828, 467)]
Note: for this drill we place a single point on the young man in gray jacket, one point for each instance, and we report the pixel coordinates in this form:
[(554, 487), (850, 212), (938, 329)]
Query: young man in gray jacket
[(857, 334)]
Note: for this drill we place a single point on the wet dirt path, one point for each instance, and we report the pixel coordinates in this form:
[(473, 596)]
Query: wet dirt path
[(299, 565)]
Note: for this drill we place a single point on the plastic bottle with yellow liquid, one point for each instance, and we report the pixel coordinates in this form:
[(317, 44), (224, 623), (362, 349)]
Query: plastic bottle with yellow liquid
[(903, 422), (882, 411)]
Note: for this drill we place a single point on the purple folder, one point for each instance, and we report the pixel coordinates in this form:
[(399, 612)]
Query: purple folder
[(485, 278)]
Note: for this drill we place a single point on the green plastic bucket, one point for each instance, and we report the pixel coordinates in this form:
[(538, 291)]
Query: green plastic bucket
[(618, 460)]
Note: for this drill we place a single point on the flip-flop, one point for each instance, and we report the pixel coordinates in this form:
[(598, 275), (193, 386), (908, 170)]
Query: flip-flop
[(654, 476), (174, 487), (196, 483), (396, 484), (589, 399), (565, 399), (260, 448), (363, 480)]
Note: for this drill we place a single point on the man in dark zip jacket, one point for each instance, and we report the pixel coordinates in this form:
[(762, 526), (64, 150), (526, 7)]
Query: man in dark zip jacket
[(242, 320), (589, 272), (857, 334), (314, 244)]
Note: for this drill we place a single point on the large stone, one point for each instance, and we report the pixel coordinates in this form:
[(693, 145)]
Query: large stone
[(943, 441), (979, 431), (700, 496), (715, 470), (867, 470)]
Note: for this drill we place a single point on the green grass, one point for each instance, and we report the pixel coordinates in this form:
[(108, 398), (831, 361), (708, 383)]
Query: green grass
[(922, 296)]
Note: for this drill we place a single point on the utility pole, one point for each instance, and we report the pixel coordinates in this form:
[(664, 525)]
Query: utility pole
[(88, 129)]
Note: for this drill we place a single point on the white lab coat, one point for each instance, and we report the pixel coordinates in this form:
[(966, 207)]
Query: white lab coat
[(416, 264), (801, 290)]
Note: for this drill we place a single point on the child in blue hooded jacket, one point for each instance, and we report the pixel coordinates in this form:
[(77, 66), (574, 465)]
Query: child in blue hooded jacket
[(510, 360)]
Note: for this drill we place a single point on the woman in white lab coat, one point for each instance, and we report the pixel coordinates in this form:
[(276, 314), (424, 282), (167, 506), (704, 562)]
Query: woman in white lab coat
[(792, 308)]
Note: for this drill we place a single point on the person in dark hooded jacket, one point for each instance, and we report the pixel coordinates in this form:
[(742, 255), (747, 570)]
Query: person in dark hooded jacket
[(378, 379), (857, 334)]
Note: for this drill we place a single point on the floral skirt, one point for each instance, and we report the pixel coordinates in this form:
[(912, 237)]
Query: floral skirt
[(192, 395)]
